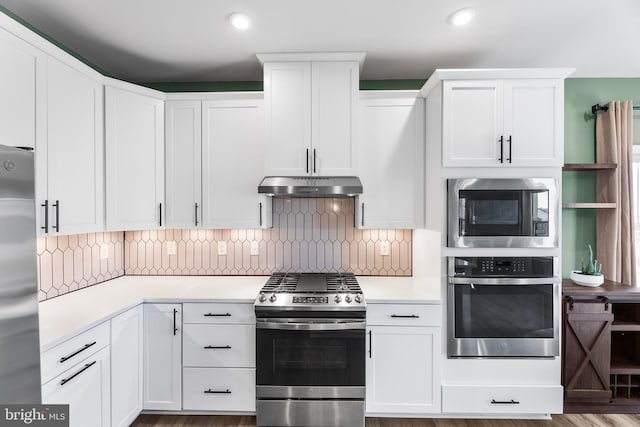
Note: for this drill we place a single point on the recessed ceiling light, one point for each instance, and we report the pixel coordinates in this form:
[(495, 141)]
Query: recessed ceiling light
[(240, 21), (462, 17)]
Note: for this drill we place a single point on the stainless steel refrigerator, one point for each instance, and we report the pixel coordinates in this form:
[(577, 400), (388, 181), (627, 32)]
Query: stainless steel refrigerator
[(19, 339)]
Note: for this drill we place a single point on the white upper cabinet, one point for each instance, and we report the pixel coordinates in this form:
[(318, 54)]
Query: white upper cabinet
[(134, 158), (183, 147), (233, 164), (501, 118), (310, 110), (391, 161), (18, 88), (69, 156)]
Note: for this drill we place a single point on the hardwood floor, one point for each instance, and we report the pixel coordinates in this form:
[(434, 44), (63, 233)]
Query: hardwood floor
[(567, 420)]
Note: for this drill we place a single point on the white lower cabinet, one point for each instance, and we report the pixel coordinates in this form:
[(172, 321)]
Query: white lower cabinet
[(403, 359), (505, 399), (126, 367), (219, 365), (162, 363), (85, 388)]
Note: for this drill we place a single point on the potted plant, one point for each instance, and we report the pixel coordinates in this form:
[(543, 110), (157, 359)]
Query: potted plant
[(590, 274)]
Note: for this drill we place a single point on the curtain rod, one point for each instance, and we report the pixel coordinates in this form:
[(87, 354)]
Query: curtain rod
[(598, 107)]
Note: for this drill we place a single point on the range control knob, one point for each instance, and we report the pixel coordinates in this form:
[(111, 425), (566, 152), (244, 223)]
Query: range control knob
[(337, 298), (347, 298), (272, 298), (358, 298), (262, 297)]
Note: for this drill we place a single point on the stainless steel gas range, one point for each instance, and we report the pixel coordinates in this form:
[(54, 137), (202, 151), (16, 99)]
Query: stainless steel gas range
[(310, 351)]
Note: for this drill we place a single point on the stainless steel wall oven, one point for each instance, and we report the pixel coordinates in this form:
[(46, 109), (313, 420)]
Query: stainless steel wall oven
[(507, 213), (503, 307)]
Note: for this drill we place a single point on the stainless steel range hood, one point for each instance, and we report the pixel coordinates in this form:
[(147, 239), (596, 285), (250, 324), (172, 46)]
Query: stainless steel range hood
[(310, 186)]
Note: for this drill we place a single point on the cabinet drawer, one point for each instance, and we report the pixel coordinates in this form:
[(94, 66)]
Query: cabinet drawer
[(219, 389), (219, 313), (404, 314), (464, 399), (63, 356), (219, 345)]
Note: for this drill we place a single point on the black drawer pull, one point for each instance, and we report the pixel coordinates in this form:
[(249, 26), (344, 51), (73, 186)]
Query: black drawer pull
[(84, 368), (86, 346), (504, 402), (218, 347), (217, 315), (227, 391), (408, 316)]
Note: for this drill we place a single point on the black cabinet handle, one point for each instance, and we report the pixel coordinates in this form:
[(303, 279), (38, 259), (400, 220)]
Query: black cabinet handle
[(160, 214), (510, 152), (217, 315), (504, 402), (57, 226), (46, 216), (65, 358), (370, 343), (362, 215), (501, 149), (175, 328), (403, 316), (314, 160), (84, 368), (307, 162), (260, 212), (217, 347), (227, 391), (196, 211)]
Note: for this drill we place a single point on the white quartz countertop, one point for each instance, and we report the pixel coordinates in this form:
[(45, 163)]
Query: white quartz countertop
[(70, 314)]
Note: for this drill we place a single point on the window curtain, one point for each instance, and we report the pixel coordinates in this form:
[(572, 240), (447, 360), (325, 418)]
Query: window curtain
[(615, 229)]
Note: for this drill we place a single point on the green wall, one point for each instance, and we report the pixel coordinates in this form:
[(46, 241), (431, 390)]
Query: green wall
[(579, 225)]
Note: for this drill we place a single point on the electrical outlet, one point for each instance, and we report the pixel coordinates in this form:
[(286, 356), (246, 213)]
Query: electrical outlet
[(385, 248), (104, 251), (172, 248), (222, 248), (255, 249)]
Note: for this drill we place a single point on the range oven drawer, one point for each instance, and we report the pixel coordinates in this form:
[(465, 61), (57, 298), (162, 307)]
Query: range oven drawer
[(505, 399), (310, 413), (219, 345), (216, 389)]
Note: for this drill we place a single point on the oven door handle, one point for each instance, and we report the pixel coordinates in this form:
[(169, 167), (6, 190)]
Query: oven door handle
[(310, 326), (503, 281)]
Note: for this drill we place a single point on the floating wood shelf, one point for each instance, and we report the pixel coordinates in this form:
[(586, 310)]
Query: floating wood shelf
[(589, 205), (589, 166), (625, 326)]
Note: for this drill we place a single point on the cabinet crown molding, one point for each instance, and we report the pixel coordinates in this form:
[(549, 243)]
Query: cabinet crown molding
[(312, 57)]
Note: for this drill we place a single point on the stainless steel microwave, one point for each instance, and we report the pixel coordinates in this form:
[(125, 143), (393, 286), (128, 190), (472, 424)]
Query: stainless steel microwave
[(503, 213)]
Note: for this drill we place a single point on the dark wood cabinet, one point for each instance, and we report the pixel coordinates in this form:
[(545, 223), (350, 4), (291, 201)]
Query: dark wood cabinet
[(601, 348)]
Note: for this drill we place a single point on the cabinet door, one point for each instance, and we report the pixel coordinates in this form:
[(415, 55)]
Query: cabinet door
[(392, 163), (183, 164), (19, 80), (232, 157), (403, 370), (162, 389), (85, 388), (134, 160), (74, 150), (126, 367), (533, 117), (587, 352), (287, 97), (334, 101), (472, 122)]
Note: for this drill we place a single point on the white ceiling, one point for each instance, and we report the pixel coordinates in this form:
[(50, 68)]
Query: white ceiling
[(190, 40)]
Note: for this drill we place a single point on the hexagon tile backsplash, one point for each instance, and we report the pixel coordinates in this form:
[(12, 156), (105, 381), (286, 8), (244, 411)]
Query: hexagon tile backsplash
[(308, 235)]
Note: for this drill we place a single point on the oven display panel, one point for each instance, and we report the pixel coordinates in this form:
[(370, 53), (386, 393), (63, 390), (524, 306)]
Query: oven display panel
[(311, 300)]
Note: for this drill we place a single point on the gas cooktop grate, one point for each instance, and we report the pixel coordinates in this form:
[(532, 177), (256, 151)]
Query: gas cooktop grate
[(288, 283)]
